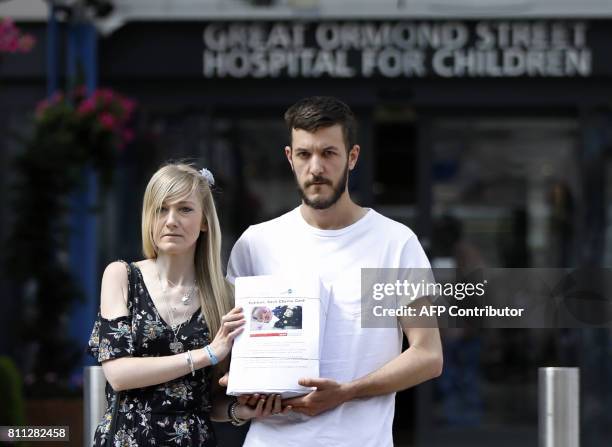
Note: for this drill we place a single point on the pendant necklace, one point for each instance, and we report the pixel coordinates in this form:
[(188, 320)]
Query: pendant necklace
[(175, 346), (185, 299)]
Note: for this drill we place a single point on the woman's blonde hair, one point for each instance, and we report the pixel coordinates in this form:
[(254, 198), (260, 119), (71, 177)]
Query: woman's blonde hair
[(173, 182)]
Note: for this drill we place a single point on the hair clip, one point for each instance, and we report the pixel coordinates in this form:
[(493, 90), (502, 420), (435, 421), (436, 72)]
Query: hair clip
[(208, 176)]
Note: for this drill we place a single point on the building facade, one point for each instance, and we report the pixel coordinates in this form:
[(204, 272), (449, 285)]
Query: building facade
[(484, 127)]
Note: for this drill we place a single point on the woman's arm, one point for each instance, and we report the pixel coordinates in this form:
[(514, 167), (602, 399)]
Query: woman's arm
[(137, 372)]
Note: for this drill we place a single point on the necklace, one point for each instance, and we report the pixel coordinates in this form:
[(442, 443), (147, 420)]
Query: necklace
[(175, 346), (186, 299)]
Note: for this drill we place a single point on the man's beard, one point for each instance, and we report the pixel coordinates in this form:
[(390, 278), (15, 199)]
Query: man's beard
[(322, 203)]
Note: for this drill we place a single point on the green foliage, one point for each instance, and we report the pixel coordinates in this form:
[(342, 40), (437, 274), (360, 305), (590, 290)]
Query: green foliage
[(12, 409)]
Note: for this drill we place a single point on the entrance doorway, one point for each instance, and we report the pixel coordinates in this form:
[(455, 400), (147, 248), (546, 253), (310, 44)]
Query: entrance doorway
[(504, 194)]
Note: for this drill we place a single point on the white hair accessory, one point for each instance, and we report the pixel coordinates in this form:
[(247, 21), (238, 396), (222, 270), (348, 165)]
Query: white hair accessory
[(208, 176)]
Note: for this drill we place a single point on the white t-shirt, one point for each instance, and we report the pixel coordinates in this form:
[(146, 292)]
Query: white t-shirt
[(289, 244)]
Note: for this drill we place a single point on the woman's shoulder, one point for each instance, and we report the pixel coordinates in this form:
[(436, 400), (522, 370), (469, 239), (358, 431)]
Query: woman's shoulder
[(118, 272), (115, 290), (144, 264)]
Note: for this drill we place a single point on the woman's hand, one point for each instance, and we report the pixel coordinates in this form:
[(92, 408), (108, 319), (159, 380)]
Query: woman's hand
[(231, 325), (260, 406)]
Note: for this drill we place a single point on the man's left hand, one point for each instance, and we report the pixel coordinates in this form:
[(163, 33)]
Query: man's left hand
[(329, 394)]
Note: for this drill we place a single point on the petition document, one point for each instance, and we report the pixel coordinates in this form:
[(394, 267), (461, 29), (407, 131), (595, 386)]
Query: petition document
[(281, 341)]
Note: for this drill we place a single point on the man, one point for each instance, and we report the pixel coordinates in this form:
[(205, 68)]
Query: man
[(361, 368)]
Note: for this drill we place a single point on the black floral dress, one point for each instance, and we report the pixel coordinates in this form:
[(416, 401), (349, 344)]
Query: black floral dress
[(175, 413)]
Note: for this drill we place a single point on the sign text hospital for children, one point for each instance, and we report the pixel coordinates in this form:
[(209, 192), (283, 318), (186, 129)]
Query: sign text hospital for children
[(394, 49)]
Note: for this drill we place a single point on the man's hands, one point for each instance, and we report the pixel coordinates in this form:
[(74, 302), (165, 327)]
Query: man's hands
[(328, 395)]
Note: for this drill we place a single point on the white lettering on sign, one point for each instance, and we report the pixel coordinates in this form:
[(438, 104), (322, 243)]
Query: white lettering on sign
[(397, 49)]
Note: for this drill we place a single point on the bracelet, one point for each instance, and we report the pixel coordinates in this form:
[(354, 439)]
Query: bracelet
[(190, 362), (229, 407), (235, 420), (213, 358)]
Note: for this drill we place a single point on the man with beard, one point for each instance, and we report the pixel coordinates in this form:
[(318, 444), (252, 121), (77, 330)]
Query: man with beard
[(361, 368)]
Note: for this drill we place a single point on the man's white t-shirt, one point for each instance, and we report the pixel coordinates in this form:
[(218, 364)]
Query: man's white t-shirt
[(289, 244)]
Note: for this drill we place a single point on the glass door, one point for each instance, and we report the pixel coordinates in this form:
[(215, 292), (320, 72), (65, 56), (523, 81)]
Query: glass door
[(504, 191), (503, 194)]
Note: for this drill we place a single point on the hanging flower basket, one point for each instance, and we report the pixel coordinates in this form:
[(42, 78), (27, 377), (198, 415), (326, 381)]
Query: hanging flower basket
[(72, 133), (84, 130), (12, 39)]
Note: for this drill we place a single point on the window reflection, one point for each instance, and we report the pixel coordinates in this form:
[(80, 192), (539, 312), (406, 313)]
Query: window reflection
[(503, 195)]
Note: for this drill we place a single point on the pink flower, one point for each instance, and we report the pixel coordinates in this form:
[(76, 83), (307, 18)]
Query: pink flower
[(56, 97), (12, 39), (104, 94), (107, 121), (128, 105), (12, 46), (7, 22), (26, 42), (41, 107), (127, 135), (108, 95), (86, 107), (8, 28)]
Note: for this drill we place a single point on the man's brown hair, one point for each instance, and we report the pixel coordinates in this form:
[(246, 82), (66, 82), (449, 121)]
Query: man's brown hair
[(316, 112)]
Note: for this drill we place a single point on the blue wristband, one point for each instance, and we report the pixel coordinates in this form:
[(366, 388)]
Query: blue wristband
[(213, 358)]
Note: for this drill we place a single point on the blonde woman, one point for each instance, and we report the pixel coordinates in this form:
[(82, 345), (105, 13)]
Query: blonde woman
[(154, 333)]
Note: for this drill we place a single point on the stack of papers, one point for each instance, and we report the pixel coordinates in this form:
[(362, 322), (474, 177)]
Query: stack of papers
[(281, 342)]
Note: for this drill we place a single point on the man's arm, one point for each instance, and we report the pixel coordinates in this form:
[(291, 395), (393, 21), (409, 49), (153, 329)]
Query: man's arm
[(420, 362)]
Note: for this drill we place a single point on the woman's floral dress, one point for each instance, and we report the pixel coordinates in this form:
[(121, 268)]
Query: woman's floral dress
[(175, 413)]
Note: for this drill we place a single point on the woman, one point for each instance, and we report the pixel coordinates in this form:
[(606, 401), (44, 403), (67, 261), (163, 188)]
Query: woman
[(153, 332)]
